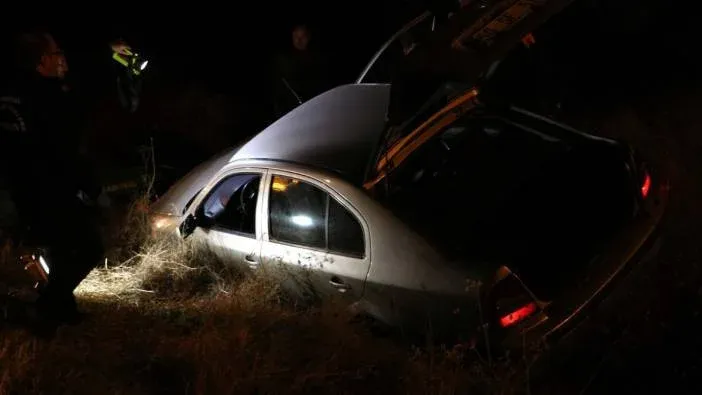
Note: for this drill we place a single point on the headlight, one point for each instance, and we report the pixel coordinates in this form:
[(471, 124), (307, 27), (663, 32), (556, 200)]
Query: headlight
[(163, 223)]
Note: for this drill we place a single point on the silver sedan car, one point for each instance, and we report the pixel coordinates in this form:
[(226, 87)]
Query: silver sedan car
[(434, 208), (474, 219), (294, 195)]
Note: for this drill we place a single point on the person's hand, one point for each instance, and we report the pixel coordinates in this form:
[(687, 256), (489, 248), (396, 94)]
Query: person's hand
[(121, 47)]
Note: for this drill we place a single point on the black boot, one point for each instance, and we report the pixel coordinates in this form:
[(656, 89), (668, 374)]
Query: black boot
[(55, 309)]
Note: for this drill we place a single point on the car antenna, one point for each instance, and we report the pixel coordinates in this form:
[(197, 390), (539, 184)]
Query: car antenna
[(299, 100)]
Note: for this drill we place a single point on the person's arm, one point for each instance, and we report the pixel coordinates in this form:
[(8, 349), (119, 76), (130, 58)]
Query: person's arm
[(13, 130), (18, 169), (128, 84)]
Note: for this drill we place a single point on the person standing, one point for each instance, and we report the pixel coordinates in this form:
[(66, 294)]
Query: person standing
[(48, 181), (301, 72)]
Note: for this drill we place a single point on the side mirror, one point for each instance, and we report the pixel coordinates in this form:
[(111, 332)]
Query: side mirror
[(188, 226), (192, 221)]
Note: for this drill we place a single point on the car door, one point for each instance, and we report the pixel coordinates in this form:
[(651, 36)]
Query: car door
[(229, 217), (316, 239)]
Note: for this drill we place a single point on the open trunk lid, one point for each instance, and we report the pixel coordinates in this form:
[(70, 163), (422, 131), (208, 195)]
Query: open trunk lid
[(477, 34), (456, 45), (443, 53)]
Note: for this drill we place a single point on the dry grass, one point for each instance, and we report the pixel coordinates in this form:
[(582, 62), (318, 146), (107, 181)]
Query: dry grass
[(173, 319)]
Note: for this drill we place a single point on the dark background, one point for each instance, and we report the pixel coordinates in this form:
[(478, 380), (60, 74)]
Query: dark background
[(227, 47), (209, 81)]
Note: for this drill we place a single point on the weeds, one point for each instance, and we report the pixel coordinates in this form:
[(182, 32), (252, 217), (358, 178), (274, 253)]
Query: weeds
[(173, 318)]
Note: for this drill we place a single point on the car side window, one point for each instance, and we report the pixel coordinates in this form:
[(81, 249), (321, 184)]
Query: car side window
[(297, 212), (345, 232), (305, 215), (231, 204)]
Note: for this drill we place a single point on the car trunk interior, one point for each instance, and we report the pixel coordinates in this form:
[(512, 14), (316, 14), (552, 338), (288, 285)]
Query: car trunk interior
[(490, 189)]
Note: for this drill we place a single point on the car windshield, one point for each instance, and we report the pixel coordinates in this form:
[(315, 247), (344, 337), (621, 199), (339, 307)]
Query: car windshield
[(180, 195), (454, 185), (190, 202)]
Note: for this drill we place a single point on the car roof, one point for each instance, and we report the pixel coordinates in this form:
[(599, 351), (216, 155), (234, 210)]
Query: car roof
[(338, 131)]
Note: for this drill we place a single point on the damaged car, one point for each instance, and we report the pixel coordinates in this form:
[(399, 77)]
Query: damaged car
[(433, 207)]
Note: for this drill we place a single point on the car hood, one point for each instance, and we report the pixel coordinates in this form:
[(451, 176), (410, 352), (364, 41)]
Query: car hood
[(175, 200), (337, 131)]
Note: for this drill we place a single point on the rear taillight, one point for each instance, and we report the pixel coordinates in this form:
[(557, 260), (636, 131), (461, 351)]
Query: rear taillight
[(518, 315), (513, 302), (646, 184)]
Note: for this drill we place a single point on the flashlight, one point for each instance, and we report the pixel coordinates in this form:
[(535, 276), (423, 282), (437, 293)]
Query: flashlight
[(134, 62), (36, 267)]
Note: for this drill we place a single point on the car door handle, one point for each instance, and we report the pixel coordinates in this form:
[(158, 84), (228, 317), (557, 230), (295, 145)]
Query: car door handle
[(251, 259), (338, 284)]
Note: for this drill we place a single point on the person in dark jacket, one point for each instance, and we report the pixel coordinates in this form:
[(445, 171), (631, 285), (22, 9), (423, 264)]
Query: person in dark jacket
[(48, 181), (301, 72)]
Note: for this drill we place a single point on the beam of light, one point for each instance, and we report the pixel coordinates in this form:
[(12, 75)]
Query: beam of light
[(143, 65), (302, 220)]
